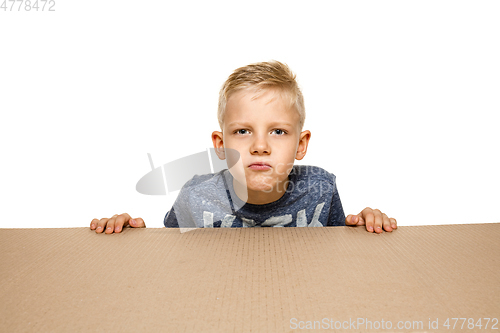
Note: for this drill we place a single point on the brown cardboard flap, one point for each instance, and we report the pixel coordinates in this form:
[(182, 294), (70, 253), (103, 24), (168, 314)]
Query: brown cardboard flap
[(250, 279)]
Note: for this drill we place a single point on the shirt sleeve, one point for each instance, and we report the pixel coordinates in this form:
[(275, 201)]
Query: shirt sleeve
[(170, 220), (336, 216), (181, 213)]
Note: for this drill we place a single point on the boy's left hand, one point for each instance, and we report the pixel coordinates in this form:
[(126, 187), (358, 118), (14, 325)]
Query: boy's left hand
[(374, 220)]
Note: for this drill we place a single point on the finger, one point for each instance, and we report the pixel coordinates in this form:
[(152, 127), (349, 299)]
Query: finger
[(93, 224), (386, 223), (354, 220), (379, 220), (351, 219), (394, 223), (137, 223), (101, 225), (121, 221), (369, 218), (361, 220), (110, 225)]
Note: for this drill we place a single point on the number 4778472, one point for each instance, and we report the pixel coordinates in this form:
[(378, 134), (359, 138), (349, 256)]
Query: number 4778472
[(28, 5)]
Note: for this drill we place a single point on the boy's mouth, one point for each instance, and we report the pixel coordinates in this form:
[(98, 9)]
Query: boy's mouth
[(259, 166)]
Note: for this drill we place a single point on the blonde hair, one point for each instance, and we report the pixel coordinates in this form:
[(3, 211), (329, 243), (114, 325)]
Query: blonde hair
[(262, 76)]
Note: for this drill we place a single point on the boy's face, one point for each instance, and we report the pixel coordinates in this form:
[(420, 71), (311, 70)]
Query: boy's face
[(266, 133)]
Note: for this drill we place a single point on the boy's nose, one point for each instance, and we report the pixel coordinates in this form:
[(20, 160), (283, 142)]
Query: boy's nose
[(260, 146)]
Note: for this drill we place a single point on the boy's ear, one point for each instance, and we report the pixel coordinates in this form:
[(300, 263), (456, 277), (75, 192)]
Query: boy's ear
[(303, 143), (218, 142)]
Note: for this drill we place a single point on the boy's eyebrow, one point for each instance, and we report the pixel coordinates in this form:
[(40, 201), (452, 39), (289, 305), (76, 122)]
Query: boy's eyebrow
[(273, 124)]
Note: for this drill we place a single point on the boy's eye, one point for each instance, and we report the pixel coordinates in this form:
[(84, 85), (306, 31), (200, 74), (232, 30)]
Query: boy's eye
[(279, 132), (241, 131)]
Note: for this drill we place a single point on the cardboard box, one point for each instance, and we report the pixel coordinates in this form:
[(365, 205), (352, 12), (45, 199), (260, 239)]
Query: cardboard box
[(340, 279)]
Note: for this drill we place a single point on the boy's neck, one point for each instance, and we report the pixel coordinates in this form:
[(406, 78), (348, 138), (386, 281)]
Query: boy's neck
[(260, 197)]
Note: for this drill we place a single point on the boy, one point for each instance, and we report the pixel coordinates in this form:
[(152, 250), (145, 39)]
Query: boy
[(261, 115)]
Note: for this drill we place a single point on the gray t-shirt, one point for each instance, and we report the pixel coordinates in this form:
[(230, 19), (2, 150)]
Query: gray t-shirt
[(209, 201)]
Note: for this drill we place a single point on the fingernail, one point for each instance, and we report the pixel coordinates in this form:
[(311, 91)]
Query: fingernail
[(393, 226), (99, 228), (353, 219), (117, 229), (92, 226), (370, 228), (132, 222), (109, 229)]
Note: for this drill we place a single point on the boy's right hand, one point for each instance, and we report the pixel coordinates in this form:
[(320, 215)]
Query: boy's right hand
[(116, 223)]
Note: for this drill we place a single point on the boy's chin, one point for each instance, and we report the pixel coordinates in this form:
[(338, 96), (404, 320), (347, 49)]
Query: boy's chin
[(261, 187)]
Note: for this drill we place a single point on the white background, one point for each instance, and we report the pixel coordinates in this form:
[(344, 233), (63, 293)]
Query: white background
[(402, 99)]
